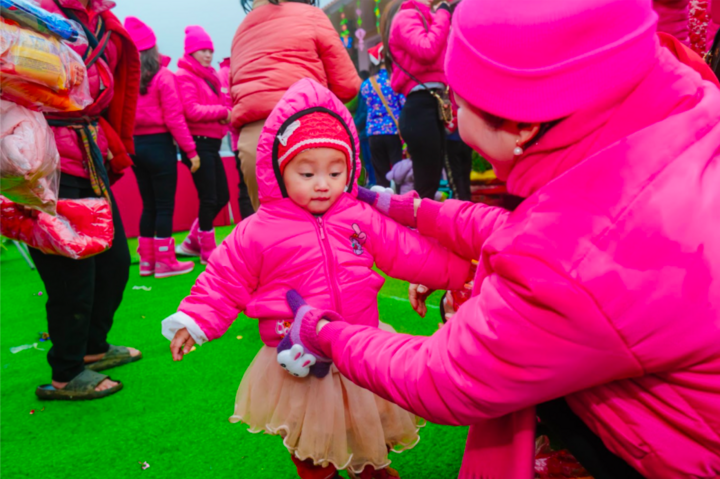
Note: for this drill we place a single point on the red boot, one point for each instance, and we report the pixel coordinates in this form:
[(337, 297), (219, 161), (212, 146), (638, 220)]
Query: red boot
[(146, 250), (165, 262), (207, 245), (191, 245), (307, 470)]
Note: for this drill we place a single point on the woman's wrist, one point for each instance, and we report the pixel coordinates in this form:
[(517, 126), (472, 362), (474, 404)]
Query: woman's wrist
[(416, 205), (320, 325)]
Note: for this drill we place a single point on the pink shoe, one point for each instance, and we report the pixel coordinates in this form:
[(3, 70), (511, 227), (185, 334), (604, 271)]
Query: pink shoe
[(191, 245), (146, 250), (165, 262), (207, 245)]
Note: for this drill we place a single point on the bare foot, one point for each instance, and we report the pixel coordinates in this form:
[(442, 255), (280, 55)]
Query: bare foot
[(91, 358), (105, 384)]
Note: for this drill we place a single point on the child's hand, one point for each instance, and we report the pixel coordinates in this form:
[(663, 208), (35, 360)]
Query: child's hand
[(181, 344)]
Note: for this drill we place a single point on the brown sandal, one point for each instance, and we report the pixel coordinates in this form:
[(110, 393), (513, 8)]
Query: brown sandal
[(116, 356), (80, 388)]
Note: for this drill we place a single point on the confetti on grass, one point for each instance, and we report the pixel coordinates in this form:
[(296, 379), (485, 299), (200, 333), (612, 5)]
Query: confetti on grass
[(17, 349), (239, 337), (143, 465), (143, 288)]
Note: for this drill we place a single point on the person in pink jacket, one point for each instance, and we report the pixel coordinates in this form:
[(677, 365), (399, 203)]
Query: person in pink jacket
[(159, 121), (278, 43), (600, 291), (311, 234), (416, 36), (207, 114)]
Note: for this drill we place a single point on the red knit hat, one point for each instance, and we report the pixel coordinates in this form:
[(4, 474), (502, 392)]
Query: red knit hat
[(376, 54), (315, 130)]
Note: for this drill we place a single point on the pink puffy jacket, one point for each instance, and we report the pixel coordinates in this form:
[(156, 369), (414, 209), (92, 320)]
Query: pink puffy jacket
[(328, 259), (204, 106), (603, 287), (418, 40), (277, 45), (160, 111)]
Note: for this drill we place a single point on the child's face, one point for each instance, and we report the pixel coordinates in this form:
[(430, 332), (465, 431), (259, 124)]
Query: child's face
[(316, 178)]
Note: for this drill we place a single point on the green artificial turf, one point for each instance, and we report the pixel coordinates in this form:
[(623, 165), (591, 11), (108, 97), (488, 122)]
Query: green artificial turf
[(174, 416)]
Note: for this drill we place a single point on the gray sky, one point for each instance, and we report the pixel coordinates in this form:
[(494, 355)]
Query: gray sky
[(168, 18)]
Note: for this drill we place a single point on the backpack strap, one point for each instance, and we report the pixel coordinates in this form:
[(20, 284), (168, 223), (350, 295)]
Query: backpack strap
[(378, 90)]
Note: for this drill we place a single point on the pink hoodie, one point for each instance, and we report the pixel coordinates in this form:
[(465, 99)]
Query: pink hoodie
[(160, 111), (328, 259), (603, 287), (418, 40), (204, 108)]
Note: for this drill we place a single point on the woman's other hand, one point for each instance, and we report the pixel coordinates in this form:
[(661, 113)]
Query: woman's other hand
[(194, 164), (418, 294)]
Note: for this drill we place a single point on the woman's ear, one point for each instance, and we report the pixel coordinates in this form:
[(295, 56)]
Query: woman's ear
[(526, 132)]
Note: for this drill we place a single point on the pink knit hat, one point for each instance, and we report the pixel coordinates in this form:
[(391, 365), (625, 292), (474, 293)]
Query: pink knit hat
[(196, 38), (541, 60), (141, 34)]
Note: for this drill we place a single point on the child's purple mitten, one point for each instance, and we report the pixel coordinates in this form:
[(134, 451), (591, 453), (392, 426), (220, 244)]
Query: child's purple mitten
[(299, 352), (401, 208)]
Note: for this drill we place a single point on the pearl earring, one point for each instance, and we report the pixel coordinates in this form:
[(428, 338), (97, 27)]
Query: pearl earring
[(518, 149)]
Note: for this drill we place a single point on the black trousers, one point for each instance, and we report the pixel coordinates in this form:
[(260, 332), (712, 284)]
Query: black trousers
[(244, 204), (82, 295), (459, 157), (583, 443), (210, 180), (424, 134), (156, 172), (385, 151)]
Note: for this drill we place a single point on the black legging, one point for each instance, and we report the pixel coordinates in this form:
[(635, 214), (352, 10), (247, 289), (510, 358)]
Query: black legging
[(156, 172), (82, 295), (244, 202), (385, 151), (210, 180), (459, 157), (424, 134)]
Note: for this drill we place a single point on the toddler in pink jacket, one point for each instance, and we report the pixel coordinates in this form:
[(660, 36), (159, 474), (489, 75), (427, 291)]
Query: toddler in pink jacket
[(312, 235)]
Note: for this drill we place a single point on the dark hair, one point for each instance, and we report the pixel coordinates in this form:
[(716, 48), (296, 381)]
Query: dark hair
[(386, 20), (364, 75), (248, 4), (149, 66)]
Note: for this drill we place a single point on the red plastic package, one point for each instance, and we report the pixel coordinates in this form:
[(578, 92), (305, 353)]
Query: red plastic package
[(81, 228), (551, 464)]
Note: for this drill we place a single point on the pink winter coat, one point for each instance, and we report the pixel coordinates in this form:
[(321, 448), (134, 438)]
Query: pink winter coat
[(160, 111), (418, 40), (277, 45), (204, 106), (328, 259), (603, 287)]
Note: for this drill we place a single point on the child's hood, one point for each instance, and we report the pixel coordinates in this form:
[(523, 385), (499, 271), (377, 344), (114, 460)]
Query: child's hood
[(304, 97)]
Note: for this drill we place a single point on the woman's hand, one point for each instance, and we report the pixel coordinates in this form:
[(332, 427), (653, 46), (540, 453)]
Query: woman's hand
[(181, 344), (228, 119), (418, 294), (194, 163)]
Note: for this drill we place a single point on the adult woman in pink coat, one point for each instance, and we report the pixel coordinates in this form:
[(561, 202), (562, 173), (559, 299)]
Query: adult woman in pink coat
[(207, 113), (159, 123), (601, 288), (417, 39)]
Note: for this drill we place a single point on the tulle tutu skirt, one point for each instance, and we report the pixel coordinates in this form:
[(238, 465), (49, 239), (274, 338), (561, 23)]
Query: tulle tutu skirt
[(329, 420)]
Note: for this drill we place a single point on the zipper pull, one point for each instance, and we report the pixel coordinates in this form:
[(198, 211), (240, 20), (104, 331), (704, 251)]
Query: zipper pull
[(322, 230)]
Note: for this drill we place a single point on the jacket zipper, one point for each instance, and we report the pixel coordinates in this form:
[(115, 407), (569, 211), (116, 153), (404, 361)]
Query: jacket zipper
[(329, 266)]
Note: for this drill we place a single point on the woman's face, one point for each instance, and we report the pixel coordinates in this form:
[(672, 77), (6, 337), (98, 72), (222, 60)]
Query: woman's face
[(496, 145), (205, 57)]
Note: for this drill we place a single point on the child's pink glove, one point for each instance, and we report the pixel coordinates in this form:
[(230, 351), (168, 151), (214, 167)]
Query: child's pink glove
[(401, 208), (299, 352)]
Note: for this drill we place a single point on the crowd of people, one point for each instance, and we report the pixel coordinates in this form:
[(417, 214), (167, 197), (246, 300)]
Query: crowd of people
[(595, 298)]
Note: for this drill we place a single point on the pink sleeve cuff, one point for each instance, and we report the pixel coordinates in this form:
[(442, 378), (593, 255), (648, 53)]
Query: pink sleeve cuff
[(329, 335), (427, 217), (191, 153)]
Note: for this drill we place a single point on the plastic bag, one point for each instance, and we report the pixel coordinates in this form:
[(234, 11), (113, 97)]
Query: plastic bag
[(551, 464), (41, 72), (30, 15), (29, 158), (82, 228)]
